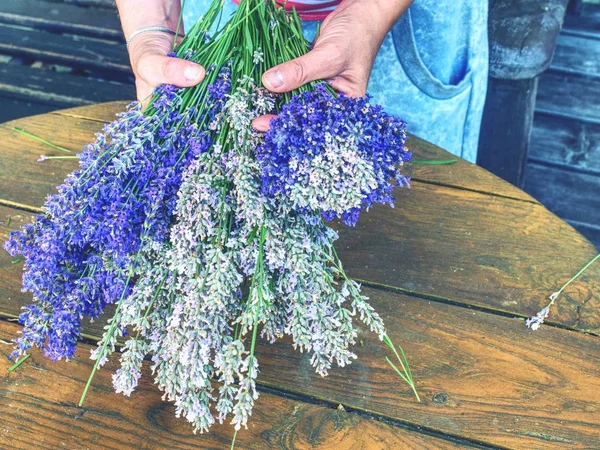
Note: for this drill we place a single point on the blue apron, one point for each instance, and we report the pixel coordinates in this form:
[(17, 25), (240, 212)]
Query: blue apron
[(431, 69)]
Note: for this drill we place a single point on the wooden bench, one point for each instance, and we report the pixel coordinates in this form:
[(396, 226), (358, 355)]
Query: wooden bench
[(454, 270), (56, 54)]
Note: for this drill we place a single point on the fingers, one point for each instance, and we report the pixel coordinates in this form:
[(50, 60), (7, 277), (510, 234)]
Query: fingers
[(318, 64), (156, 69), (350, 87), (263, 123), (152, 66), (143, 92)]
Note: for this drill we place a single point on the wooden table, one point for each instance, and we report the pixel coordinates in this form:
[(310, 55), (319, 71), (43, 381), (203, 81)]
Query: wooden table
[(453, 269)]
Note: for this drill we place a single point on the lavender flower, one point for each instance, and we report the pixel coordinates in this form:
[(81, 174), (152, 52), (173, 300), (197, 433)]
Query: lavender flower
[(335, 155), (80, 251), (534, 322)]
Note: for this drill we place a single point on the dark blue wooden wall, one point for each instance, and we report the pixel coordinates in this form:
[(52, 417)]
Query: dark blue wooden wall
[(563, 168)]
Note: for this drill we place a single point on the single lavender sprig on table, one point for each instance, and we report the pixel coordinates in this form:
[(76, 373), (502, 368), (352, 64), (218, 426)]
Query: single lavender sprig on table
[(40, 139), (534, 322)]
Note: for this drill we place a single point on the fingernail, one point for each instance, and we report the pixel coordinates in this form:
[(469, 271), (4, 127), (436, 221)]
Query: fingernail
[(193, 72), (274, 79)]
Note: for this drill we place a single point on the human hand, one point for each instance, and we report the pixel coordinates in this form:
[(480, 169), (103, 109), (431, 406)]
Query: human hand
[(152, 67), (148, 50), (343, 53)]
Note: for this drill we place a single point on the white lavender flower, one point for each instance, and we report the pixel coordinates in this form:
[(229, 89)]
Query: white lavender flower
[(335, 180), (534, 322), (258, 57), (125, 379)]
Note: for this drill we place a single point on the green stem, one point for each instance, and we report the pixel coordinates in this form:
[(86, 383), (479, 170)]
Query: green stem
[(406, 373), (39, 139), (109, 333), (233, 440), (434, 162), (18, 363), (554, 296)]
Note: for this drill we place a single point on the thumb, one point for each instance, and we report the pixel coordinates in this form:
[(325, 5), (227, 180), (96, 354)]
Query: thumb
[(318, 64), (156, 69)]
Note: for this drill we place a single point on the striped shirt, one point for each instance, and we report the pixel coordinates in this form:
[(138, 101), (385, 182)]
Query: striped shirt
[(309, 9)]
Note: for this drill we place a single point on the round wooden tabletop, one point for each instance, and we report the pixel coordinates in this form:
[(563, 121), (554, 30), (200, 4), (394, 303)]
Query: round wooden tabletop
[(454, 269)]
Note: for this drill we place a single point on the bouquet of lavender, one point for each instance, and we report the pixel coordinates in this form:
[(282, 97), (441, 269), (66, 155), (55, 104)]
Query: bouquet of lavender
[(205, 233)]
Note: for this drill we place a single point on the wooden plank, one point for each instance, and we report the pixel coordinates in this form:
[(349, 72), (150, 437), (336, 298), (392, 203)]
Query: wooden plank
[(585, 22), (590, 231), (577, 55), (62, 18), (107, 57), (107, 4), (571, 195), (474, 249), (566, 143), (470, 248), (13, 108), (82, 123), (482, 377), (569, 96), (461, 175), (59, 90), (39, 411), (28, 176)]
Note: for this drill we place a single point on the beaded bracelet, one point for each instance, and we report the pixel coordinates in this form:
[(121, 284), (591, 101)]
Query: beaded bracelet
[(151, 28)]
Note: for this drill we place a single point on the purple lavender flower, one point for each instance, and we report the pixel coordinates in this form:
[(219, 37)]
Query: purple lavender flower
[(80, 252), (333, 154)]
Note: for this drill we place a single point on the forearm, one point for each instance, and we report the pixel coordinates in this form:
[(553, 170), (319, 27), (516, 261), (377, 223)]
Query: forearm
[(136, 14)]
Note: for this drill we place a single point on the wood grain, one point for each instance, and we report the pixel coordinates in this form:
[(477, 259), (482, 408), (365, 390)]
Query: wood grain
[(569, 96), (60, 91), (62, 18), (38, 410), (577, 55), (474, 249), (566, 143), (462, 174), (106, 57), (69, 128), (481, 377), (569, 194)]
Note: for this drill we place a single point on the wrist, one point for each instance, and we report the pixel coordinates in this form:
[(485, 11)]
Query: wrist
[(136, 14)]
